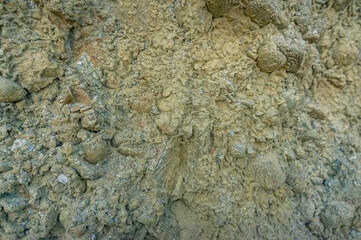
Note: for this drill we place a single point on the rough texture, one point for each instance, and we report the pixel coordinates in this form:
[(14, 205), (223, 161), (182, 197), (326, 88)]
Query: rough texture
[(10, 91), (184, 119)]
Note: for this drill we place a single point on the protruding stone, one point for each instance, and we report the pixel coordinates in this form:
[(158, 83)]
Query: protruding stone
[(294, 51), (264, 12), (218, 7), (317, 112), (269, 172), (13, 203), (38, 70), (3, 132), (238, 150), (67, 149), (344, 52), (86, 170), (95, 150), (270, 58), (10, 91)]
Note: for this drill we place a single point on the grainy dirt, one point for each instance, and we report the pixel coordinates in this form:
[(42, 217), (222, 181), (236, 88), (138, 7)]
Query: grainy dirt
[(186, 119)]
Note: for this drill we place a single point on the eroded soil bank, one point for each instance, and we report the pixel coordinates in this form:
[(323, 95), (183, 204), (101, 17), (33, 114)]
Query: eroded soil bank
[(186, 119)]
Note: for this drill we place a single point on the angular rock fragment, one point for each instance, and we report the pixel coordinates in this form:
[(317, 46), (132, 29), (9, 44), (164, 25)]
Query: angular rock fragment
[(317, 112), (13, 203), (10, 91), (43, 223), (270, 58), (38, 71), (89, 120), (85, 169), (238, 150)]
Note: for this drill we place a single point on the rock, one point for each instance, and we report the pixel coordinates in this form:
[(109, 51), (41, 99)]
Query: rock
[(11, 6), (271, 116), (74, 222), (79, 231), (169, 122), (316, 181), (187, 131), (5, 166), (13, 203), (10, 91), (86, 170), (95, 150), (317, 112), (8, 182), (128, 150), (3, 132), (44, 223), (238, 150), (316, 226), (295, 54), (344, 52), (113, 80), (311, 36), (338, 214), (193, 16), (338, 5), (303, 22), (307, 209), (337, 80), (270, 58), (89, 120), (218, 7), (118, 139), (268, 171), (12, 228), (113, 65), (298, 181), (163, 121), (264, 12), (67, 149), (38, 71), (22, 4)]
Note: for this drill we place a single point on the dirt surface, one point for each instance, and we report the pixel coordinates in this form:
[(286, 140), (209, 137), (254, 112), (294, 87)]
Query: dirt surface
[(183, 119)]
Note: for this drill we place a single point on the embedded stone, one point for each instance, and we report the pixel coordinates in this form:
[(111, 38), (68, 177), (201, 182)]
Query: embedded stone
[(10, 91)]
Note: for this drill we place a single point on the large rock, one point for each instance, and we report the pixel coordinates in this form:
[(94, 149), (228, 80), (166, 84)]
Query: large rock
[(38, 70), (264, 12), (270, 58), (10, 91)]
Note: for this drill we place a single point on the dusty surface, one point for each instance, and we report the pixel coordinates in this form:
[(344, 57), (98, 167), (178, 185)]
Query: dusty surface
[(184, 119)]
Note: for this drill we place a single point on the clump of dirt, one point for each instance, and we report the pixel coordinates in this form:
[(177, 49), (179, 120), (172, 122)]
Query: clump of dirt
[(184, 119)]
